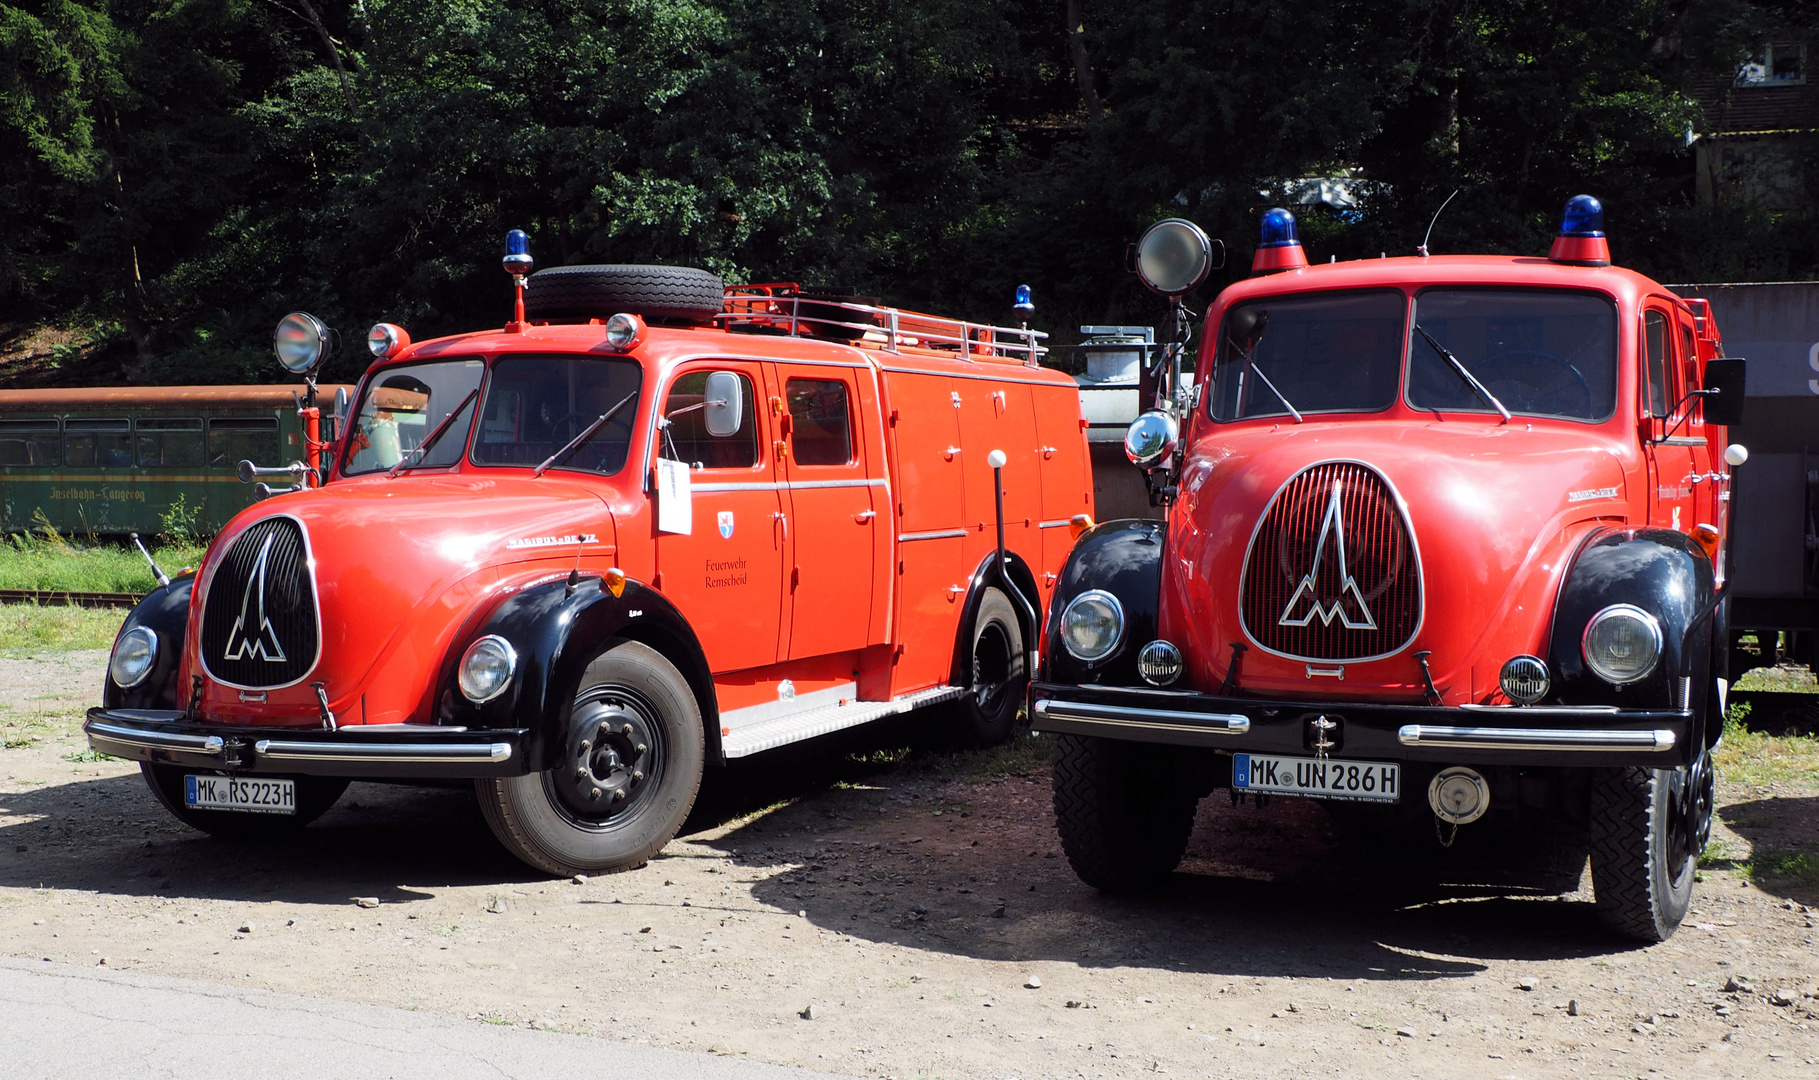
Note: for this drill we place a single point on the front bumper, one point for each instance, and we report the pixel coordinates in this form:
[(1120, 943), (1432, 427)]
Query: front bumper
[(391, 751), (1483, 735)]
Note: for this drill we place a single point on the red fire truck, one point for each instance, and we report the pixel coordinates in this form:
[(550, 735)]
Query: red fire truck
[(650, 524), (1446, 536)]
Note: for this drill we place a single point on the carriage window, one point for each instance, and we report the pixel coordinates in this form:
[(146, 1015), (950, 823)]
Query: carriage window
[(254, 439), (167, 441), (535, 405), (823, 433), (104, 443), (686, 437), (30, 442), (403, 406)]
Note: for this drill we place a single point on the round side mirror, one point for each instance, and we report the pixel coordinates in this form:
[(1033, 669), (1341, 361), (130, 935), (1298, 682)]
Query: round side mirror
[(1174, 256), (302, 342), (1151, 438)]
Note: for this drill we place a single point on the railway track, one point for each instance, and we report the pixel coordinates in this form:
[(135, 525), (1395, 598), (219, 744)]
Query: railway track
[(73, 599)]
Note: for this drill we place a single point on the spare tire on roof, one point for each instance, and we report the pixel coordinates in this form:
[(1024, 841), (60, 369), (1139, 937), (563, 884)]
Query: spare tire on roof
[(656, 293)]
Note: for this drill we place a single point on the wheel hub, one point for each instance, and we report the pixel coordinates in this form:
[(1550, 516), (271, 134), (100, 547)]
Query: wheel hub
[(612, 756)]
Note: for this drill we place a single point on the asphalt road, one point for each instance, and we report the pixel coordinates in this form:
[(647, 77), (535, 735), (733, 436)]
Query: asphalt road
[(63, 1021)]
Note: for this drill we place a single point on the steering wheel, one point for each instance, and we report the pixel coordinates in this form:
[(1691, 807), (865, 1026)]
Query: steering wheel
[(1530, 398)]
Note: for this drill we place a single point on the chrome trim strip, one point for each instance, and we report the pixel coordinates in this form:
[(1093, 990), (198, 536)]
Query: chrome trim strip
[(1055, 524), (1681, 440), (1160, 719), (787, 485), (938, 534), (155, 740), (1589, 740), (1539, 711), (970, 375), (397, 753)]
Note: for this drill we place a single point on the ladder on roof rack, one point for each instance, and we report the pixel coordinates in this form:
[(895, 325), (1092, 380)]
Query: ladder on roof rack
[(785, 308)]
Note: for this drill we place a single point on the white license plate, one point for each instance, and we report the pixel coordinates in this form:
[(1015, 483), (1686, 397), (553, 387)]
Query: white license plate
[(246, 794), (1329, 778)]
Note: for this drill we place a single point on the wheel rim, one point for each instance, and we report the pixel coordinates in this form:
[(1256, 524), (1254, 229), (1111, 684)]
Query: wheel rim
[(991, 667), (1690, 797), (616, 755)]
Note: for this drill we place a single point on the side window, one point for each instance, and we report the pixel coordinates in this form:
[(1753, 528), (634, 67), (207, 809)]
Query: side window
[(1689, 364), (233, 440), (165, 441), (30, 442), (686, 437), (104, 443), (1655, 341), (822, 428)]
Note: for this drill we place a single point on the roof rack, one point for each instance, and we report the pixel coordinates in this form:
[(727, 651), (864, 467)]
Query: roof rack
[(785, 307)]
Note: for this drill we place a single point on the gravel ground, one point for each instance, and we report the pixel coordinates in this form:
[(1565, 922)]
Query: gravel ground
[(856, 911)]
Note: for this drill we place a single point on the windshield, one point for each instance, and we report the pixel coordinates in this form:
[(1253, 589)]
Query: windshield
[(1312, 353), (1539, 352), (536, 404), (402, 406)]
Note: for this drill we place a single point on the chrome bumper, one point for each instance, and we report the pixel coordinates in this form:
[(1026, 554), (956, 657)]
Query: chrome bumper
[(1097, 718), (1588, 740)]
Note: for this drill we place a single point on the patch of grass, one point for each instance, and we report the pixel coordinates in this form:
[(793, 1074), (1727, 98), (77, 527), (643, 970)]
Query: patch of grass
[(89, 757), (1750, 757), (1782, 678), (1799, 869), (1024, 755), (24, 732), (46, 560), (31, 628), (498, 1020)]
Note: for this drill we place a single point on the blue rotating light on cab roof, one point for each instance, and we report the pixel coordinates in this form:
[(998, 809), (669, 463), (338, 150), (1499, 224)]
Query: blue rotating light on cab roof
[(1581, 241), (1584, 216), (1278, 229), (1024, 306), (517, 253)]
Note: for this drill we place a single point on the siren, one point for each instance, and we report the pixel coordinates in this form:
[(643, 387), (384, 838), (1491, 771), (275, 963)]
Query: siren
[(1278, 244), (1581, 241)]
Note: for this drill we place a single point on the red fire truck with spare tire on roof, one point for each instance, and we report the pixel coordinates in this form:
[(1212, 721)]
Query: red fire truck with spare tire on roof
[(651, 524)]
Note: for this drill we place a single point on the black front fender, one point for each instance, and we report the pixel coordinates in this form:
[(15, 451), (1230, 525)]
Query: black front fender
[(1123, 558), (165, 611), (556, 633)]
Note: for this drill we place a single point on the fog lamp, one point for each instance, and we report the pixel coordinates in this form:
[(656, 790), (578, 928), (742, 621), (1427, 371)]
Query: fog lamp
[(1092, 625), (1524, 679), (386, 339), (486, 669), (623, 331), (1622, 644), (1159, 663), (135, 654)]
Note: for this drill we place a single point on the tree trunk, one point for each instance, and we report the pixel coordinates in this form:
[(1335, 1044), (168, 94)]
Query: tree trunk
[(1083, 68)]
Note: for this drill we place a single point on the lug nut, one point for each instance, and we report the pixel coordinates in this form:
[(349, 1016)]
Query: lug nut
[(586, 746), (619, 795), (581, 773), (626, 730), (642, 748), (637, 774), (595, 794)]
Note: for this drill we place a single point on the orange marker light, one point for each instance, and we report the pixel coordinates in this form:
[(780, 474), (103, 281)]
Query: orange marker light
[(1079, 524), (615, 581), (1707, 537)]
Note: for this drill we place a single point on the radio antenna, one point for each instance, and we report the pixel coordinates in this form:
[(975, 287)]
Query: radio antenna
[(1422, 250)]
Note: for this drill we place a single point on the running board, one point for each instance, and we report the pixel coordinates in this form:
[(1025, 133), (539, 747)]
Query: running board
[(813, 723)]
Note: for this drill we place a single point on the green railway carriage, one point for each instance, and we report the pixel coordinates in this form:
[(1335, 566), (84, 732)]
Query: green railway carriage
[(113, 460)]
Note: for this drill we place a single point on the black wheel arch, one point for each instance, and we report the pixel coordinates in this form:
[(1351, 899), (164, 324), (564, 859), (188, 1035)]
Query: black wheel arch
[(165, 611), (984, 577), (1123, 558), (556, 634)]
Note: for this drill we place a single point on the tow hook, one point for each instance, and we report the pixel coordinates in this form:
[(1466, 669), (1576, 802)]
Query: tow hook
[(328, 715)]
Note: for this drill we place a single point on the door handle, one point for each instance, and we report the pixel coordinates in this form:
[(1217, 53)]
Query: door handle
[(782, 520), (949, 453), (1048, 452), (865, 516)]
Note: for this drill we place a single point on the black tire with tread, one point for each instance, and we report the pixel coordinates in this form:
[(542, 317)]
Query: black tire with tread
[(1638, 894), (995, 625), (656, 293), (527, 820), (1124, 820), (315, 795)]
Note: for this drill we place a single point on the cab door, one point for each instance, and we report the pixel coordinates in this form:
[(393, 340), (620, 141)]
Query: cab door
[(1707, 509), (1670, 446), (835, 505), (726, 574)]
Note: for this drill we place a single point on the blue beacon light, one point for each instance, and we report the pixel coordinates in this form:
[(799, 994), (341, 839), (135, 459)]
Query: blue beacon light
[(517, 263), (1278, 229), (1025, 306), (1581, 241), (1278, 243)]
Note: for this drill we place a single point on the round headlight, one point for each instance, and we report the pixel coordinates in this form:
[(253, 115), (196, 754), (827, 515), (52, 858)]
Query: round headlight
[(624, 331), (486, 669), (1092, 625), (301, 342), (1174, 256), (386, 339), (135, 654), (1622, 644)]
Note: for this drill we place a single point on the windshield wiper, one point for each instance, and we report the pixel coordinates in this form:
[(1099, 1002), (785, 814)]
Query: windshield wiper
[(1470, 379), (583, 435), (423, 447), (1252, 364)]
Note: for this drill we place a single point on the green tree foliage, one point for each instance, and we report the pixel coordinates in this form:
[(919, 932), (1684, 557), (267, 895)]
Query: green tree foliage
[(176, 174)]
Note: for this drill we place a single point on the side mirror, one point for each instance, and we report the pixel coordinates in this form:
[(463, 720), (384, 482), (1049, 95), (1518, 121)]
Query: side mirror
[(724, 404), (1152, 438), (1724, 401)]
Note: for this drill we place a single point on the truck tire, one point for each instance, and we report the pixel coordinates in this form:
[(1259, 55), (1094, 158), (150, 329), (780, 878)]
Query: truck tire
[(631, 764), (315, 795), (1644, 851), (987, 713), (680, 294), (1124, 821)]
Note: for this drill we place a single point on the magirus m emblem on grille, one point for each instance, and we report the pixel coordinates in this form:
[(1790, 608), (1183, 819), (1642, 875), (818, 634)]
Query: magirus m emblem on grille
[(252, 634), (1347, 605)]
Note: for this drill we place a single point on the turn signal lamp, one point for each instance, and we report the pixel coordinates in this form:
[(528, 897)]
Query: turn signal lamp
[(1581, 241), (624, 332), (386, 340), (1278, 243)]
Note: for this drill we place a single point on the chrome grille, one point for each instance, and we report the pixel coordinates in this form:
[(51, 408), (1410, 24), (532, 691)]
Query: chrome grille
[(259, 626), (1332, 572)]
